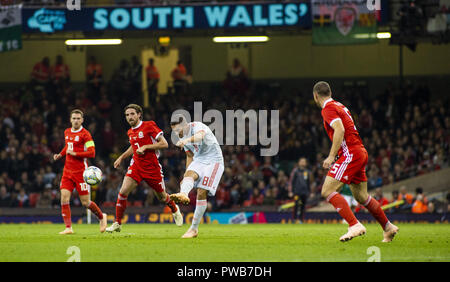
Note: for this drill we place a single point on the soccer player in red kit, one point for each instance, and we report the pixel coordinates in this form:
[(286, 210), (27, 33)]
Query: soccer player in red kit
[(78, 147), (146, 140), (349, 168)]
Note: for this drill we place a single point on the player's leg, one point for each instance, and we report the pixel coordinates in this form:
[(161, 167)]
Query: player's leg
[(359, 191), (65, 210), (210, 176), (187, 184), (83, 192), (128, 185), (92, 206), (200, 209), (160, 191), (330, 190)]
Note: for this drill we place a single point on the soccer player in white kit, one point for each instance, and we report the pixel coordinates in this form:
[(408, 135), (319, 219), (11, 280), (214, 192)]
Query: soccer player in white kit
[(204, 166)]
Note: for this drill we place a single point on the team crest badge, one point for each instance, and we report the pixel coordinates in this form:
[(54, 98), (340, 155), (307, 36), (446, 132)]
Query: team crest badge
[(77, 138), (345, 19), (141, 134)]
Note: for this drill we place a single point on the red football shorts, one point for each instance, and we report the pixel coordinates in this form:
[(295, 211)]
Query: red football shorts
[(350, 167), (69, 181), (153, 176)]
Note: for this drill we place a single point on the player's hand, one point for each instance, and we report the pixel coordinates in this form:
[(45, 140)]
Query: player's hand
[(56, 157), (117, 162), (181, 143), (328, 162), (141, 150), (70, 152), (290, 195)]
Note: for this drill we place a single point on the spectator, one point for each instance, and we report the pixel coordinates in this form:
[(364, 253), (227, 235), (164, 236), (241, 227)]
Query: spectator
[(404, 195), (236, 82), (49, 175), (94, 77), (380, 198), (267, 169), (5, 199), (41, 73), (136, 77), (22, 199), (420, 204), (60, 73), (256, 198), (179, 75), (152, 81), (45, 200)]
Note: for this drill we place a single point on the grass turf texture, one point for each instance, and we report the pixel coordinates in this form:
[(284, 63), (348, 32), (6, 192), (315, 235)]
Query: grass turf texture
[(226, 243)]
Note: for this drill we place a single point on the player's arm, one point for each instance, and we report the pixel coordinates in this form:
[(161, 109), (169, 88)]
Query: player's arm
[(89, 153), (161, 143), (61, 154), (197, 137), (189, 158), (124, 155), (338, 137)]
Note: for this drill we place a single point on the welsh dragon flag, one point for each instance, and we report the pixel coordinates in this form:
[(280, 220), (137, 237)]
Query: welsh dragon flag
[(338, 22), (10, 27)]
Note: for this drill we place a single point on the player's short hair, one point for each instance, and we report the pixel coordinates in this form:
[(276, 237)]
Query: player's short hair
[(177, 119), (136, 107), (322, 88), (77, 111)]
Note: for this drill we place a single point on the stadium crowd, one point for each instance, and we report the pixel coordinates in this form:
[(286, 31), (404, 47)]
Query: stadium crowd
[(405, 132)]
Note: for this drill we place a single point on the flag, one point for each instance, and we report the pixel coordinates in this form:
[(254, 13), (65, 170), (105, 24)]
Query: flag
[(341, 22), (10, 28)]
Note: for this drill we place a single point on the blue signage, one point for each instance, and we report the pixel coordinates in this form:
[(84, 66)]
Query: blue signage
[(168, 17), (47, 20)]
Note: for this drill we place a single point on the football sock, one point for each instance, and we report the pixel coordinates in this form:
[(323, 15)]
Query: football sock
[(65, 212), (200, 209), (186, 185), (374, 208), (342, 207), (96, 210), (171, 204), (121, 205)]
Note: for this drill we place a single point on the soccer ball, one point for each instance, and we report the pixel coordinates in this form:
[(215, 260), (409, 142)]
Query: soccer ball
[(92, 175)]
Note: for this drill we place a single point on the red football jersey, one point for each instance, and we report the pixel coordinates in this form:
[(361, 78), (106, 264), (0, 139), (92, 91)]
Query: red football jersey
[(146, 132), (333, 111), (77, 141)]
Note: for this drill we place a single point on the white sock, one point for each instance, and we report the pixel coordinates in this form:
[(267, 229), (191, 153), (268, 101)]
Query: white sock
[(186, 185), (200, 209)]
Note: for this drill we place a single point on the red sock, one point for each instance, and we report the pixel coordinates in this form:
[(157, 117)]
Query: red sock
[(342, 207), (375, 209), (121, 205), (96, 210), (65, 212), (171, 204)]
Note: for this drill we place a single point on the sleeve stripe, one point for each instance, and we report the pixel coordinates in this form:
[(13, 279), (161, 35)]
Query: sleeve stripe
[(89, 144), (157, 135), (336, 119)]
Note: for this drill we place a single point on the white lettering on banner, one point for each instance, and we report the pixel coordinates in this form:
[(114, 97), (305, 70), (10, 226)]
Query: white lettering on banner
[(186, 16)]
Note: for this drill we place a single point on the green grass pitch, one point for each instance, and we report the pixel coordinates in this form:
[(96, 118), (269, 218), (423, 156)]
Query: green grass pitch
[(222, 243)]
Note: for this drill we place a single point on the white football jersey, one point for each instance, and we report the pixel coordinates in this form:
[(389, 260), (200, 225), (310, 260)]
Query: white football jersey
[(206, 151)]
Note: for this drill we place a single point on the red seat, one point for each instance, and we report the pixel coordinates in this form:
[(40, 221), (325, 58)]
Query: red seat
[(138, 204), (108, 204), (33, 199)]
